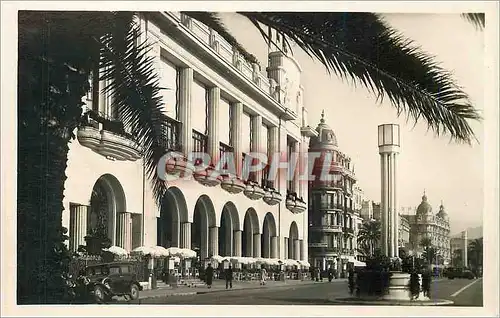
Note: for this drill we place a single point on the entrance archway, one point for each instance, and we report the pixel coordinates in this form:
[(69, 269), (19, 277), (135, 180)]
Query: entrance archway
[(106, 200), (203, 221), (269, 240), (173, 212), (250, 228), (293, 242), (228, 224)]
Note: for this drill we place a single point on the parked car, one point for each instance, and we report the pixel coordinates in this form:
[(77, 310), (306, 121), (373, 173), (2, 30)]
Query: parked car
[(453, 273), (112, 279)]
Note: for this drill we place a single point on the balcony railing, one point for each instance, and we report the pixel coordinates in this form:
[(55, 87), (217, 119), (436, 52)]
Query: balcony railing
[(171, 133), (223, 150), (200, 144)]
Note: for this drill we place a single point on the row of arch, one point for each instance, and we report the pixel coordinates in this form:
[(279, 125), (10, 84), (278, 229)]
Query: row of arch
[(228, 238)]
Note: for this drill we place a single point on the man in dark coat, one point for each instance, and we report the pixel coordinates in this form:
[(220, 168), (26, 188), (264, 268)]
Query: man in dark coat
[(209, 275), (228, 275)]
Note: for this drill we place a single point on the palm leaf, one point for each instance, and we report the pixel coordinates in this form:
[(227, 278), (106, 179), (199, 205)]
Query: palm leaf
[(477, 19), (134, 86), (362, 49)]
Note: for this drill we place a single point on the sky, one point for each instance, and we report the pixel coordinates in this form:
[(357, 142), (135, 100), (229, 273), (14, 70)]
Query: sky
[(448, 172)]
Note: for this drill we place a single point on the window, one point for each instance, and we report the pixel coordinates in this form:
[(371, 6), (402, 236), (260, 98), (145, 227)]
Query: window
[(290, 150), (168, 82), (114, 270), (126, 269), (224, 121), (199, 103)]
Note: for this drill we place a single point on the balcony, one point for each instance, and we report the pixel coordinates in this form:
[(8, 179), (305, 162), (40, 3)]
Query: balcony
[(253, 190), (322, 249), (107, 137), (348, 231), (272, 196), (327, 228), (229, 181), (328, 184), (294, 204), (205, 172)]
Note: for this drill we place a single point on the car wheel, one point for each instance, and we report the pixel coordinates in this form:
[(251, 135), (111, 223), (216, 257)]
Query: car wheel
[(99, 294), (134, 292)]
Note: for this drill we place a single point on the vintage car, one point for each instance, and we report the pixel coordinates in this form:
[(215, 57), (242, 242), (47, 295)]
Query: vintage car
[(112, 279)]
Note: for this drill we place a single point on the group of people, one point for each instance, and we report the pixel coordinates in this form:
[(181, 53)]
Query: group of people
[(228, 276)]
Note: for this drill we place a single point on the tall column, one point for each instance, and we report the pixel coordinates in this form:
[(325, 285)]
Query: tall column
[(266, 243), (213, 238), (282, 175), (389, 143), (237, 243), (273, 147), (296, 181), (466, 245), (256, 245), (185, 93), (236, 129), (274, 247), (124, 237), (176, 234), (185, 235), (301, 250), (395, 210), (256, 142), (78, 225), (213, 123), (228, 243), (287, 248)]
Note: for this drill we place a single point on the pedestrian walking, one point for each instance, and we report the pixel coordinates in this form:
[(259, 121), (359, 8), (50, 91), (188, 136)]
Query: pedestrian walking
[(263, 274), (209, 275), (228, 275)]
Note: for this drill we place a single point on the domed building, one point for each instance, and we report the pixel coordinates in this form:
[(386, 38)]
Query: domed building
[(332, 217), (435, 227)]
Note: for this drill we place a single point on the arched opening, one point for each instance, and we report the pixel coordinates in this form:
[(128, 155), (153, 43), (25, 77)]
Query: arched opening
[(250, 229), (228, 224), (293, 242), (203, 240), (106, 201), (269, 239), (173, 212)]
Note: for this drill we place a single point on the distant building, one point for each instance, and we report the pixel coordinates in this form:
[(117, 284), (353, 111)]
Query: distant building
[(404, 232), (377, 211), (358, 196), (436, 227), (458, 247), (366, 212)]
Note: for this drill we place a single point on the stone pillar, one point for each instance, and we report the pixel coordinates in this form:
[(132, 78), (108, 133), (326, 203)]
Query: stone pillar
[(301, 250), (395, 214), (266, 243), (124, 237), (185, 235), (383, 206), (287, 248), (185, 93), (282, 175), (296, 249), (213, 123), (256, 245), (273, 147), (256, 142), (296, 181), (78, 225), (237, 243), (176, 234), (228, 243), (465, 246), (274, 247), (213, 238), (236, 129)]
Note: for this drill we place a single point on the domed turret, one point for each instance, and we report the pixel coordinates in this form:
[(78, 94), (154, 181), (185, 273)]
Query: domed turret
[(326, 138), (442, 213), (424, 208)]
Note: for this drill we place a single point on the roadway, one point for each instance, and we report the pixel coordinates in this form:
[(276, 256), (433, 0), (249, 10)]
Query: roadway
[(462, 291)]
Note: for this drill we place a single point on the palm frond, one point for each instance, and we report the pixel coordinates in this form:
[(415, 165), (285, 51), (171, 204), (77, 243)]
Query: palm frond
[(134, 86), (362, 48), (477, 19), (213, 21)]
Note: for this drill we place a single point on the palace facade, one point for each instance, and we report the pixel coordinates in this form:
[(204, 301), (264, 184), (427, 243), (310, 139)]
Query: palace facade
[(216, 102)]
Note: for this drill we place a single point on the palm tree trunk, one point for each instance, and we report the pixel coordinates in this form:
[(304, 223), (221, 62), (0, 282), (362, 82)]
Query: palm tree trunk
[(49, 109)]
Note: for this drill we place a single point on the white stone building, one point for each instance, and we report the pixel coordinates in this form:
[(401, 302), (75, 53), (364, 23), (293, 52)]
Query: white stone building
[(217, 102)]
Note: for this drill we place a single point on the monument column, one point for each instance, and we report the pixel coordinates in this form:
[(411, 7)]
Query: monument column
[(389, 143)]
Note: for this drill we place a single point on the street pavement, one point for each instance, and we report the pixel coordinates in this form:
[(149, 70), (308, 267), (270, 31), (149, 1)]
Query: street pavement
[(462, 291)]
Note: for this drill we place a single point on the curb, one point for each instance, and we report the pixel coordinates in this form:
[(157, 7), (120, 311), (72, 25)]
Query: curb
[(232, 290), (432, 302)]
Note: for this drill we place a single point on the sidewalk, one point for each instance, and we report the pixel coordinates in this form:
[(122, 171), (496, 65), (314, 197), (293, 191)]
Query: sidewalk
[(220, 286)]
